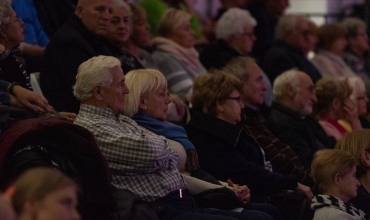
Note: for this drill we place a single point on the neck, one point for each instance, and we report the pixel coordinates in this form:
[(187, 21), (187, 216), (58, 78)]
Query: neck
[(8, 45), (365, 180), (334, 191), (133, 49)]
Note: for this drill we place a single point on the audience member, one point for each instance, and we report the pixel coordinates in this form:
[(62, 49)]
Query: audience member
[(294, 95), (281, 156), (226, 150), (312, 39), (360, 97), (330, 47), (289, 49), (149, 169), (358, 47), (45, 193), (357, 144), (175, 54), (334, 172), (267, 14), (334, 110), (81, 38)]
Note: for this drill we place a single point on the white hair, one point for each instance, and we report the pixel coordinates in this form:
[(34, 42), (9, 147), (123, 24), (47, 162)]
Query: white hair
[(122, 3), (289, 77), (286, 25), (5, 10), (95, 71), (232, 22)]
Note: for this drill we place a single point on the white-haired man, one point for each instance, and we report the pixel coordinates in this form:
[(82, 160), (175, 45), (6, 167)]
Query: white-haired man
[(141, 161), (294, 96), (291, 36)]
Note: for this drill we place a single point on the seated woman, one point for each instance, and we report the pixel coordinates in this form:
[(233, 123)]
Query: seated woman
[(358, 145), (175, 54), (334, 110), (226, 150), (359, 96), (45, 193), (334, 172), (330, 47)]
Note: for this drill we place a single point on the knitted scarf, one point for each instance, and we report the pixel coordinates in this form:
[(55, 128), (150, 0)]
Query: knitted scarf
[(172, 132), (321, 201), (189, 56)]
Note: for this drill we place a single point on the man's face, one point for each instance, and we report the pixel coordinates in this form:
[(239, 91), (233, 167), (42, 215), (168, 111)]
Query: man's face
[(114, 95), (304, 96), (95, 15), (244, 42), (254, 88), (298, 38)]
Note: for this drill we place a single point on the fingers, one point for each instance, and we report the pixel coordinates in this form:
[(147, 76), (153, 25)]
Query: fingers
[(230, 183)]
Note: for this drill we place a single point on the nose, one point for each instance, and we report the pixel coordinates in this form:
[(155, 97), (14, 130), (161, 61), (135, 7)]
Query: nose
[(126, 90), (241, 104), (76, 215), (107, 14), (168, 99), (314, 98)]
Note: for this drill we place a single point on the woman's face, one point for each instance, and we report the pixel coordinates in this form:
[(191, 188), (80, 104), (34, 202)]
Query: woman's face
[(360, 42), (362, 101), (155, 104), (13, 31), (338, 46), (230, 109), (140, 31), (183, 35), (120, 28), (58, 205), (348, 185)]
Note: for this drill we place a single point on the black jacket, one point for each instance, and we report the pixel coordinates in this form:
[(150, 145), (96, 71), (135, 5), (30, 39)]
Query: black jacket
[(227, 151)]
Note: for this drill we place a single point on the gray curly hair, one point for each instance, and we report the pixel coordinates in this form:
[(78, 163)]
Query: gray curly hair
[(5, 10)]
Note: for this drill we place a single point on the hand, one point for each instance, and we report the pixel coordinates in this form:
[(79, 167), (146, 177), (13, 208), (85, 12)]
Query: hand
[(31, 100), (70, 116), (350, 107), (2, 49), (242, 192), (180, 105), (306, 191)]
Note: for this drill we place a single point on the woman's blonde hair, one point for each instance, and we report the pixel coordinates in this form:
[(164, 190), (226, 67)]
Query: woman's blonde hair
[(36, 184), (171, 20), (141, 82), (210, 88), (327, 163)]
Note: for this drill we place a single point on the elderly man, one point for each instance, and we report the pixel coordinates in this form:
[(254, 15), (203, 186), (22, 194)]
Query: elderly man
[(288, 52), (294, 95), (141, 161), (79, 39), (281, 156)]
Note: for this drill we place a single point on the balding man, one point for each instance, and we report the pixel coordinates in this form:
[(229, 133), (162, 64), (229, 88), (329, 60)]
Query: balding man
[(294, 95), (288, 51), (79, 39)]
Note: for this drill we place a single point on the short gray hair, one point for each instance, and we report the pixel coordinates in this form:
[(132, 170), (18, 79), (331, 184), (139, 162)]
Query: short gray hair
[(141, 82), (5, 10), (121, 3), (287, 24), (237, 67), (356, 84), (95, 71), (232, 22), (289, 77), (351, 25)]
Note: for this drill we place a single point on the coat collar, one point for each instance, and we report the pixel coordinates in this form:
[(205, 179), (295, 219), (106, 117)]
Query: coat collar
[(287, 111)]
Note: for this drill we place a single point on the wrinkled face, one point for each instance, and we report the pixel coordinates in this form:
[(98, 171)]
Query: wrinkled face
[(141, 35), (14, 30), (348, 185), (58, 205), (360, 42), (120, 27), (155, 104), (362, 101), (254, 88), (299, 36), (244, 42), (113, 97), (338, 46), (96, 15), (305, 96), (183, 35), (230, 109)]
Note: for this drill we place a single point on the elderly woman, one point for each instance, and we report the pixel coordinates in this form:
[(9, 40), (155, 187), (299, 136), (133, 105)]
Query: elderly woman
[(334, 110), (330, 47), (358, 46), (224, 149), (175, 54), (358, 145), (359, 96), (45, 193), (334, 172)]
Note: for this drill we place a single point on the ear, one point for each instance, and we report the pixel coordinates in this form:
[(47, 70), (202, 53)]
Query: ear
[(31, 207), (78, 11), (142, 104), (220, 107), (290, 91), (337, 179), (336, 104), (98, 93), (366, 158)]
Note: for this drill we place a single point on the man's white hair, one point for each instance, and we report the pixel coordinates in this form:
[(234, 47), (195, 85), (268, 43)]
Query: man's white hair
[(286, 25), (289, 77), (95, 71), (232, 22)]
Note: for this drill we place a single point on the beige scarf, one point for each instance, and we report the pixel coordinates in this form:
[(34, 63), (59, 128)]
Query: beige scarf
[(187, 55)]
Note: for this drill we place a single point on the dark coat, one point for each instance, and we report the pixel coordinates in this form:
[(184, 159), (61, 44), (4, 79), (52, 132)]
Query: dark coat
[(227, 151), (302, 134), (72, 45), (362, 200), (282, 57)]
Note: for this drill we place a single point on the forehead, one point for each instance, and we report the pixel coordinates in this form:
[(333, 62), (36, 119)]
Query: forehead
[(94, 3), (120, 11), (117, 74), (305, 80), (254, 70)]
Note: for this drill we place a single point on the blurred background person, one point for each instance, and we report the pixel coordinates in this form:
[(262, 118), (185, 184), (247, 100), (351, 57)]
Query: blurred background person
[(360, 97)]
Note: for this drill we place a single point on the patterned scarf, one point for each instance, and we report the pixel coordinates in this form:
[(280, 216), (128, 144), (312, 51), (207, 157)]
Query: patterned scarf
[(321, 201)]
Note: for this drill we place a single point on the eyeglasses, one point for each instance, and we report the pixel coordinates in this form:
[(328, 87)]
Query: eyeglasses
[(17, 19), (250, 34), (235, 98)]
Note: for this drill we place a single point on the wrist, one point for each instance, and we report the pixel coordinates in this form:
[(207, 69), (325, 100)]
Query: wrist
[(11, 88)]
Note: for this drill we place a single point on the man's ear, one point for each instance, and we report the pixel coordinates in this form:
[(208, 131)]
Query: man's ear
[(98, 93), (78, 11), (31, 206), (290, 91)]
